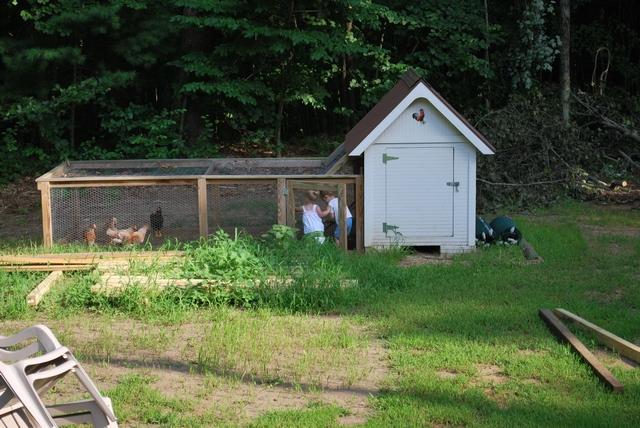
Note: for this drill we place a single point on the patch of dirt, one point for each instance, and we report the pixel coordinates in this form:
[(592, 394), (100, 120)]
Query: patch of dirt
[(447, 374), (500, 400), (489, 374), (529, 352), (419, 259), (605, 297), (112, 350), (532, 381)]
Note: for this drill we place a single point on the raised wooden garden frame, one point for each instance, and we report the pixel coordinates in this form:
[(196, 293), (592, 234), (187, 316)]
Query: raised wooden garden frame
[(285, 184)]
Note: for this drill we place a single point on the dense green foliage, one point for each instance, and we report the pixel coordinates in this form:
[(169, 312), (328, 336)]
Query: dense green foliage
[(194, 78)]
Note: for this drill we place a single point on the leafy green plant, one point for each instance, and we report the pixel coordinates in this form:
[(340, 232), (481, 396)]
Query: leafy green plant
[(221, 257), (280, 236)]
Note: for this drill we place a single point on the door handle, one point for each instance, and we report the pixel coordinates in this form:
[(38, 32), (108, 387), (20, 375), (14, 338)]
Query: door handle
[(455, 184)]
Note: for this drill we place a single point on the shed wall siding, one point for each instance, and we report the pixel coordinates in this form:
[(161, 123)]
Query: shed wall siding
[(406, 129)]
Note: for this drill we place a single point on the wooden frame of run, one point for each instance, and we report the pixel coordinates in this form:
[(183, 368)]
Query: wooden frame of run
[(57, 178)]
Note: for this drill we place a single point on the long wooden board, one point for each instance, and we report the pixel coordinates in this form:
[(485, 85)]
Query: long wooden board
[(564, 335), (113, 283), (43, 288), (605, 337), (45, 268), (88, 258)]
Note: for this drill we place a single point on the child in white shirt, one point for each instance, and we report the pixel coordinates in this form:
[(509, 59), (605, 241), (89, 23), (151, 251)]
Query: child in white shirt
[(311, 217), (332, 207)]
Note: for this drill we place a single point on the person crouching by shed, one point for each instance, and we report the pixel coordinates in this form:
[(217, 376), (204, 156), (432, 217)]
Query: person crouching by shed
[(332, 207), (311, 216)]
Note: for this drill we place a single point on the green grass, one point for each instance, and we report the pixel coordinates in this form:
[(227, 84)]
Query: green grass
[(464, 342)]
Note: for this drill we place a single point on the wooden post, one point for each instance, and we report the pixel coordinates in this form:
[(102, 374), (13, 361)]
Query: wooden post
[(342, 208), (202, 207), (215, 209), (47, 229), (281, 198), (291, 205), (359, 214)]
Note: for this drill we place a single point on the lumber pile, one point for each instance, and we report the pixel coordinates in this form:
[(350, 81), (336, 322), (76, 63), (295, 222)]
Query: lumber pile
[(110, 283), (57, 263), (563, 334), (605, 337)]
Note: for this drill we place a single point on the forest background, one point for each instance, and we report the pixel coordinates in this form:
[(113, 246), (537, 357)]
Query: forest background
[(113, 79)]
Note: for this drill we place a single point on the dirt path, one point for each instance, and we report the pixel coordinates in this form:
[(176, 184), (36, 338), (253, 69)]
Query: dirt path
[(112, 350)]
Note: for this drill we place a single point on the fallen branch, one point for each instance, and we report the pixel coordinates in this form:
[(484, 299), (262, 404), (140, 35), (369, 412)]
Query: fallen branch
[(529, 252), (535, 183), (628, 159), (604, 120)]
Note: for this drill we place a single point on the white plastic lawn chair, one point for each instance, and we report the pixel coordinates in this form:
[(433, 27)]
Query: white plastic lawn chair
[(32, 370)]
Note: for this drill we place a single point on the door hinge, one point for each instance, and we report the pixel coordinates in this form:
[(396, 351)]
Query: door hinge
[(455, 184), (389, 228), (386, 158)]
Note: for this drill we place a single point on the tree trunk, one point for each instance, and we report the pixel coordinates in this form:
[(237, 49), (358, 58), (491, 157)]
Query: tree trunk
[(486, 55), (565, 63), (72, 125), (279, 117), (346, 98), (193, 40)]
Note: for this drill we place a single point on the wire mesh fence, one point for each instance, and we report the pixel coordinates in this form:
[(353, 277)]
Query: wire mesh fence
[(74, 211), (250, 207)]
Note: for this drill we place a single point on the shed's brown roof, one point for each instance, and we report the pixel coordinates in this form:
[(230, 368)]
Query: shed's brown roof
[(388, 102)]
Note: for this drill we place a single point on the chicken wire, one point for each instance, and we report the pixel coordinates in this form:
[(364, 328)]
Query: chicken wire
[(74, 210), (248, 207)]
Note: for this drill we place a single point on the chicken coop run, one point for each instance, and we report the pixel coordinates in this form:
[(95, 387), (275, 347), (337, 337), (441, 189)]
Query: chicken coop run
[(183, 200)]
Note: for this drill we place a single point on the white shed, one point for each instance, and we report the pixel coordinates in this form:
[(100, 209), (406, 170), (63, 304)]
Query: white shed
[(419, 169)]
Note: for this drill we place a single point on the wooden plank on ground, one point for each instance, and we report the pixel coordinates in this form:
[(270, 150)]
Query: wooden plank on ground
[(43, 288), (564, 335), (605, 337), (88, 258), (44, 268), (113, 284)]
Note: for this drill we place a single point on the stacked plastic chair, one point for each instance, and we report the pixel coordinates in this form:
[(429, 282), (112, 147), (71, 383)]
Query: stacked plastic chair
[(28, 372)]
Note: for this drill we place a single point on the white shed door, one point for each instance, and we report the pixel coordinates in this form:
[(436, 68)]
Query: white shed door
[(419, 192)]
